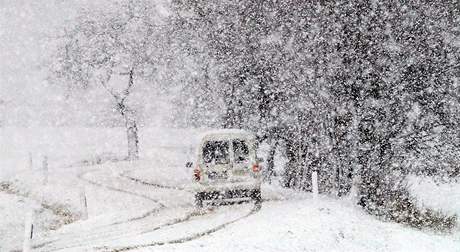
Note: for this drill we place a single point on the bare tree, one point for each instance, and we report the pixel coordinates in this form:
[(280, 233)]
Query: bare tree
[(102, 48)]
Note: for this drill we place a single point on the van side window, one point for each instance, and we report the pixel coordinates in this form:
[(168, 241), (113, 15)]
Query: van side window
[(240, 150), (216, 152)]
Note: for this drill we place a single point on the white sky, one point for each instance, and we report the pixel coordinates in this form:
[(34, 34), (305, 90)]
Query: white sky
[(25, 28)]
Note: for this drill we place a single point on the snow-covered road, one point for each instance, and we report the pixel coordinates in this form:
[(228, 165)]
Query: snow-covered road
[(160, 215)]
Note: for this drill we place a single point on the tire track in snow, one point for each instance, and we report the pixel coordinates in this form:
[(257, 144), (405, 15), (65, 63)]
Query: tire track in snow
[(143, 182), (145, 228), (180, 240), (108, 236), (174, 241), (112, 188), (149, 213)]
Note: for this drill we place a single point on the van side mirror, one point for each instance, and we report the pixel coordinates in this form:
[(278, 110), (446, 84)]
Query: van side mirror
[(260, 160), (188, 164)]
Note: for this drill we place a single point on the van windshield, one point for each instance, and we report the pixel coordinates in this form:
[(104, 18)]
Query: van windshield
[(216, 152)]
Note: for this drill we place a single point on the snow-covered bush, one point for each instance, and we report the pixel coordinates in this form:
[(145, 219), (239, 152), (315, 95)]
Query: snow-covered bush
[(390, 198)]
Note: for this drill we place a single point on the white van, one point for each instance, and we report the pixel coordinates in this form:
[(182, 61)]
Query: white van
[(226, 167)]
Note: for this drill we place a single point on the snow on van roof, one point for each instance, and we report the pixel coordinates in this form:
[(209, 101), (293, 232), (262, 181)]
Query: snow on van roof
[(227, 133)]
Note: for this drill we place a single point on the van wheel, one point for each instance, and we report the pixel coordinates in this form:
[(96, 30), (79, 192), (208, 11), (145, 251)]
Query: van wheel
[(256, 196), (199, 200)]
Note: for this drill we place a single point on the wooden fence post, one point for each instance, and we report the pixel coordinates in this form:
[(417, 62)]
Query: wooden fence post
[(45, 169), (31, 162), (28, 230), (314, 182), (83, 203)]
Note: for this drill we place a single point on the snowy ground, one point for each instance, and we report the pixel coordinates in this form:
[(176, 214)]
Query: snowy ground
[(146, 205), (13, 210)]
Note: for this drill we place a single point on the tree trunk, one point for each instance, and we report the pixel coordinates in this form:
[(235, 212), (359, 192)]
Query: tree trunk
[(271, 161), (356, 169), (130, 121), (132, 137)]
